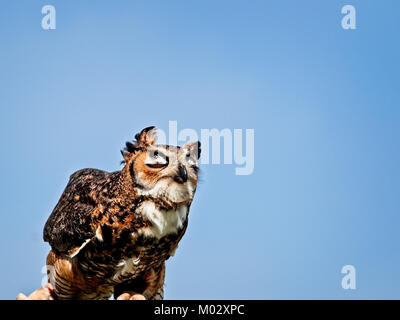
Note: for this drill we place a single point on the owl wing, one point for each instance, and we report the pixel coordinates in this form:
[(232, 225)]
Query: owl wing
[(70, 224)]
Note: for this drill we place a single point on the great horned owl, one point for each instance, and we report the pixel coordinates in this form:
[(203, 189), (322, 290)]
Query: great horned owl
[(111, 233)]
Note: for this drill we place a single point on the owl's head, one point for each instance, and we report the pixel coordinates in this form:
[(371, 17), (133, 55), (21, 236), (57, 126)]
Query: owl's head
[(165, 173)]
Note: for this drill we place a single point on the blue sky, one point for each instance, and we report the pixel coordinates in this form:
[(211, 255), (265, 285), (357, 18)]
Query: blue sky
[(323, 101)]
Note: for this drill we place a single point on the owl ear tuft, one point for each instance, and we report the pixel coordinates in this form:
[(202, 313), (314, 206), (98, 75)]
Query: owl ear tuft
[(130, 147), (147, 136)]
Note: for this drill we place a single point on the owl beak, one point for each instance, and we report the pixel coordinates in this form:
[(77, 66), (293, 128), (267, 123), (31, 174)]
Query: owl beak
[(182, 176)]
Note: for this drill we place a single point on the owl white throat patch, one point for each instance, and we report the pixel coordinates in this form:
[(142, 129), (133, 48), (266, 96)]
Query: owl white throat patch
[(164, 222)]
